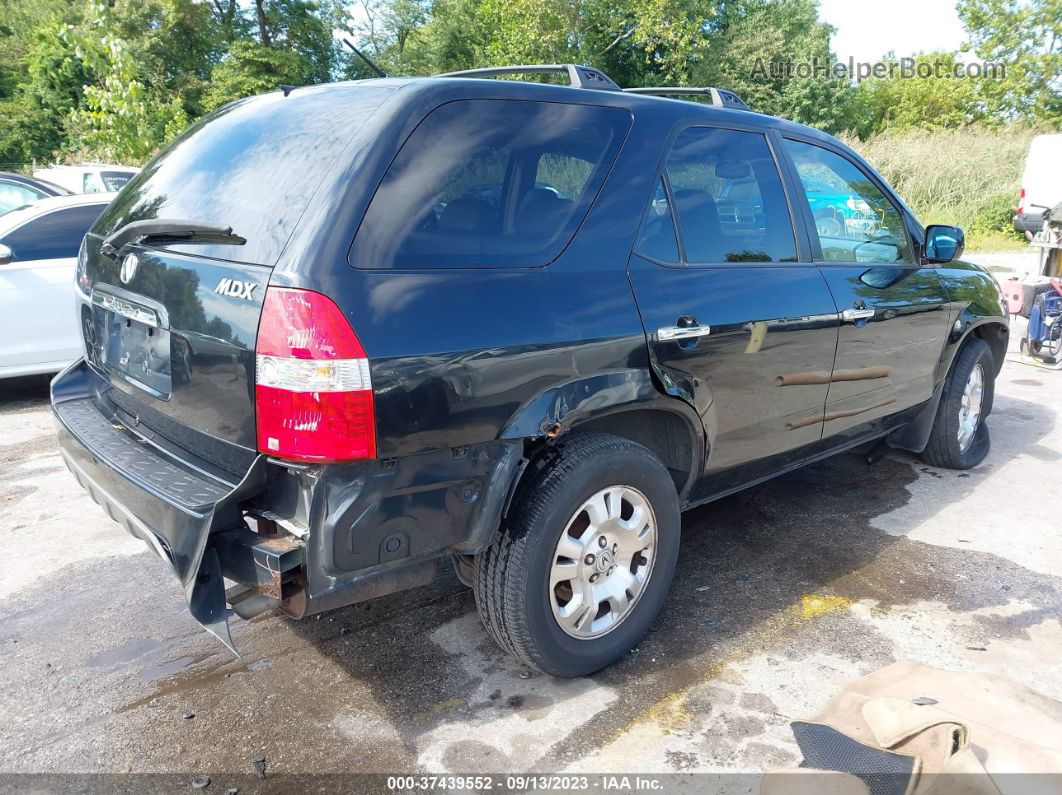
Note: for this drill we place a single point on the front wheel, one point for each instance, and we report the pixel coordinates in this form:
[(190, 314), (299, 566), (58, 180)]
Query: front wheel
[(584, 562), (959, 439)]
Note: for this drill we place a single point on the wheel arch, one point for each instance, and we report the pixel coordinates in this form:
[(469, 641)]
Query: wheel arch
[(994, 331), (996, 334), (626, 404)]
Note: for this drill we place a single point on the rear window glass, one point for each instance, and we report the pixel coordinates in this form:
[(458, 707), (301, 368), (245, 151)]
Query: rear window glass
[(252, 165), (489, 183), (115, 180)]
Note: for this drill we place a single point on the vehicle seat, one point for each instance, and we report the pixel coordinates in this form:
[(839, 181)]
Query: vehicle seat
[(467, 215), (702, 233), (542, 210)]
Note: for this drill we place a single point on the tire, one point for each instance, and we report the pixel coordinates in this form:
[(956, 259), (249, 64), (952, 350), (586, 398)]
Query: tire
[(1054, 340), (520, 601), (946, 447)]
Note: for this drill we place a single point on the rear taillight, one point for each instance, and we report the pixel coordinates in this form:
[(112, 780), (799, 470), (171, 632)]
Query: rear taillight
[(313, 394), (1021, 202)]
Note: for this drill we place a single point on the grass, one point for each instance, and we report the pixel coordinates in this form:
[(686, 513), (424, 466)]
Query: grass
[(969, 177)]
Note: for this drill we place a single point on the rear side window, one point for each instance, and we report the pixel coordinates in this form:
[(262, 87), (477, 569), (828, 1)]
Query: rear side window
[(489, 183), (252, 165), (729, 199), (657, 238), (55, 235)]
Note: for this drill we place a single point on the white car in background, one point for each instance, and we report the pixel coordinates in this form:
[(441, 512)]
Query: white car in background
[(39, 330), (88, 177)]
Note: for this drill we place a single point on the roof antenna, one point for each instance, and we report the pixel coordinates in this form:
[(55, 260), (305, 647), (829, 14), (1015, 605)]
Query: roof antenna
[(379, 72)]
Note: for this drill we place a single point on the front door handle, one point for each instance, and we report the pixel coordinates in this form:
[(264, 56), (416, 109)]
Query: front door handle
[(853, 315), (683, 332)]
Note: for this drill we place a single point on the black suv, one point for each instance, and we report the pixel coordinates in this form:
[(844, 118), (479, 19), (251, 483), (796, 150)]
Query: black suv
[(336, 334)]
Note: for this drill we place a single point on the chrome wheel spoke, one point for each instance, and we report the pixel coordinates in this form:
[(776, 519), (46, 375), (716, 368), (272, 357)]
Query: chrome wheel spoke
[(563, 571), (570, 548), (970, 407)]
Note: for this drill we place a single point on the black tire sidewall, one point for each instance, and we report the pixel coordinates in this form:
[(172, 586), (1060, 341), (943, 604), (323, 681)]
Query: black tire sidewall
[(568, 656), (975, 353)]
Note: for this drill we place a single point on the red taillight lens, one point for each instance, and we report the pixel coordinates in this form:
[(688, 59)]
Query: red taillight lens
[(1021, 202), (313, 393)]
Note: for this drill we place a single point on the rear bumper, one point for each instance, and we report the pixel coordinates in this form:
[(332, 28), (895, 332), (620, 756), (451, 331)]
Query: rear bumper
[(172, 508), (354, 531), (1029, 222)]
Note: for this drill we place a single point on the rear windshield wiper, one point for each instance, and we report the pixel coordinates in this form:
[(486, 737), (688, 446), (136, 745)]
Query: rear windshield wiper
[(162, 231)]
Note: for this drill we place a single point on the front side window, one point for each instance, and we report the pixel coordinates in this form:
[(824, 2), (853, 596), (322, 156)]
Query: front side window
[(854, 220), (729, 198), (489, 183), (55, 235)]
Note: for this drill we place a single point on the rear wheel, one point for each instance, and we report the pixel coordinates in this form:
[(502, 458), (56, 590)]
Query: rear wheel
[(582, 565), (959, 439)]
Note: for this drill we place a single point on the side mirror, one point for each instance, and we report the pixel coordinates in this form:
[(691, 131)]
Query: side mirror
[(944, 243), (5, 254)]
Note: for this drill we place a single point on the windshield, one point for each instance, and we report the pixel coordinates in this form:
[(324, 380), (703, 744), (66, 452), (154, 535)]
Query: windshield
[(252, 165)]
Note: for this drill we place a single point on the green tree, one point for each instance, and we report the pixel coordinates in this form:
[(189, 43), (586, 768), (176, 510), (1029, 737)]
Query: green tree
[(33, 121), (177, 43), (899, 103), (1026, 37), (250, 68), (20, 21), (121, 117), (775, 54), (294, 46)]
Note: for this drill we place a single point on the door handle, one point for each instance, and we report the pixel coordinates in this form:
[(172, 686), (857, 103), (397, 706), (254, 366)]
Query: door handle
[(682, 332), (852, 315)]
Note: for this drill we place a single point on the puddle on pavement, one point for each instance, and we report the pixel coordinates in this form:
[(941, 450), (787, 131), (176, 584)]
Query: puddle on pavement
[(156, 672), (182, 684), (126, 653)]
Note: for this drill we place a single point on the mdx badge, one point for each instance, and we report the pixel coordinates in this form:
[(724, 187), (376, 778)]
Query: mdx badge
[(236, 289), (129, 266)]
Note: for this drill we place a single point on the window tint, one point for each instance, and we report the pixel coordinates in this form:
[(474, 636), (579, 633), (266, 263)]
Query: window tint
[(729, 198), (489, 183), (657, 238), (854, 220), (14, 194), (57, 234), (253, 165)]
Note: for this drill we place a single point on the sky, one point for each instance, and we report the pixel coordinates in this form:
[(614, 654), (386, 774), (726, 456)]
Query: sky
[(866, 31)]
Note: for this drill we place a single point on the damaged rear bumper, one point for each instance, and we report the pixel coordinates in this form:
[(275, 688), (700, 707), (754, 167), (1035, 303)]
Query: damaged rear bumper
[(172, 507), (327, 536)]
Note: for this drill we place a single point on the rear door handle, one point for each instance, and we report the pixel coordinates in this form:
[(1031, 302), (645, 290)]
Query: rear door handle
[(852, 315), (682, 332)]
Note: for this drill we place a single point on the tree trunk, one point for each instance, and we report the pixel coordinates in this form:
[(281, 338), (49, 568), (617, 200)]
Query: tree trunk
[(263, 29)]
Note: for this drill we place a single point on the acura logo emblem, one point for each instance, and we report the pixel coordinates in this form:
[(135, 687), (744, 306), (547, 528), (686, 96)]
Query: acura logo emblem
[(129, 265)]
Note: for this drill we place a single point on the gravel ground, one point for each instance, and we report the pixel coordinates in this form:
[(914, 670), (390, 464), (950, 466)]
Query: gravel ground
[(783, 593)]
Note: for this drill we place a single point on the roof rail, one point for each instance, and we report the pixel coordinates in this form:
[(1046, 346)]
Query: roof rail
[(580, 76), (719, 96)]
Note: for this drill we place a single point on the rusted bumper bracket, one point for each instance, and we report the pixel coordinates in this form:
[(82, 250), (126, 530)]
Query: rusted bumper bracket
[(266, 565)]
